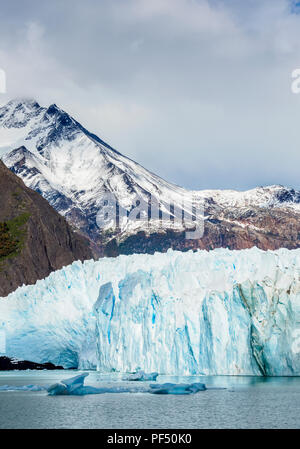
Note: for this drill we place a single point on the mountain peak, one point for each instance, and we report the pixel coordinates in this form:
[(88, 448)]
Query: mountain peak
[(18, 112), (53, 109), (16, 103)]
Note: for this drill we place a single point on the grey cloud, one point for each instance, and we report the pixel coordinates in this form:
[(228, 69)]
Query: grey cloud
[(197, 91)]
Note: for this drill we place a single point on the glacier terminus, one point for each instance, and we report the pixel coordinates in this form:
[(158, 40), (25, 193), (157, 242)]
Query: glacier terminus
[(220, 312)]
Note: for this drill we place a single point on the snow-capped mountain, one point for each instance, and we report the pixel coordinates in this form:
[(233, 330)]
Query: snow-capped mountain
[(73, 168)]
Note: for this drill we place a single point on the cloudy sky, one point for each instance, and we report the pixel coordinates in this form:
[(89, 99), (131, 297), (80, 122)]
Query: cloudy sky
[(198, 91)]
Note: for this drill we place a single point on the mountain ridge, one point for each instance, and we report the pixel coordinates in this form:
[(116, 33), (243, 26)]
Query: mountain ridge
[(73, 169)]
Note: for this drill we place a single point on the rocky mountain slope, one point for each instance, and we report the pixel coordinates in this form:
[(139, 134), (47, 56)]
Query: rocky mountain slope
[(268, 219), (73, 169), (34, 239)]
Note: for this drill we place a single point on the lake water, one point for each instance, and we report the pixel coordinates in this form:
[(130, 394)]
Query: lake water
[(246, 402)]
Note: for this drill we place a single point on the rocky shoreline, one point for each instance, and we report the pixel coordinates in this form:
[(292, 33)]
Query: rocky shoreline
[(8, 364)]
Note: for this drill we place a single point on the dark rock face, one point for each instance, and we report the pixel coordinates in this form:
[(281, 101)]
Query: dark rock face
[(7, 364), (34, 239), (267, 229)]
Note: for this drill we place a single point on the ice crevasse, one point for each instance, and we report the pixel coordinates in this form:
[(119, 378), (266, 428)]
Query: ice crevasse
[(218, 312)]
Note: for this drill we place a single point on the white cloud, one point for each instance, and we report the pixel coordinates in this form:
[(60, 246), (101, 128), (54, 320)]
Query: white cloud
[(188, 16)]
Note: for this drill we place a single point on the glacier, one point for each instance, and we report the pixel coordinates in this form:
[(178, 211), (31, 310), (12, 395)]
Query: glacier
[(217, 312)]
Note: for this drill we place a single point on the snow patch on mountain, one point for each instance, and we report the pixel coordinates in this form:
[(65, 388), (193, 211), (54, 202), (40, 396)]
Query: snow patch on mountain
[(73, 169)]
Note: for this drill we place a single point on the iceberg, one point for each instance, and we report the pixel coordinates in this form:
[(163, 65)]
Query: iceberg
[(75, 386), (141, 376), (22, 388), (169, 388), (220, 312)]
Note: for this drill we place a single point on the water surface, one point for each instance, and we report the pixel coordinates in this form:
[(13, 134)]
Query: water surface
[(245, 402)]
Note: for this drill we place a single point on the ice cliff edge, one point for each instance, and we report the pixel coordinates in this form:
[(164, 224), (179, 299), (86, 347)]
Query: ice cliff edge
[(218, 312)]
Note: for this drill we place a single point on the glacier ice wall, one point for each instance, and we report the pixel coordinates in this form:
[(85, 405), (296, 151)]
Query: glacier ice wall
[(218, 312)]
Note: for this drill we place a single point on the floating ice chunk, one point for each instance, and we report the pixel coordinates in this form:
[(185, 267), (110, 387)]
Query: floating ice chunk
[(74, 383), (141, 376), (68, 386), (75, 386), (22, 388), (35, 388), (169, 388), (57, 389)]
